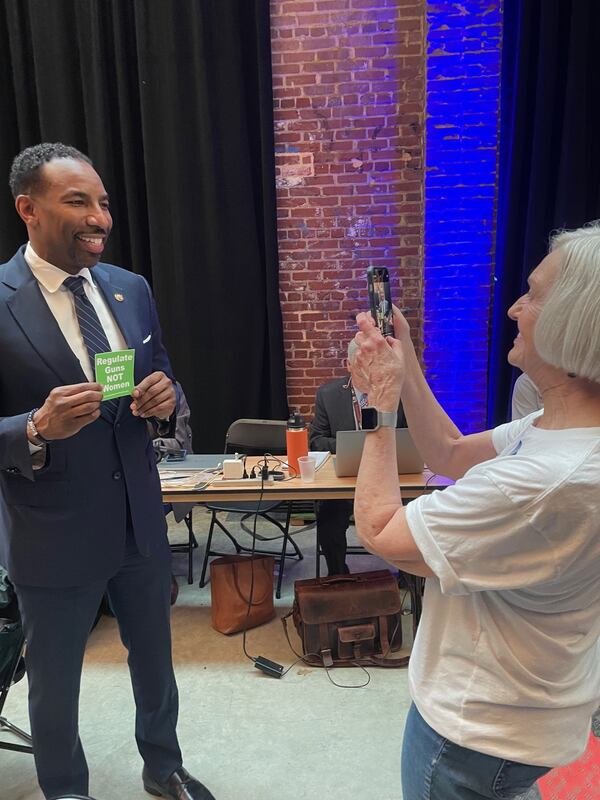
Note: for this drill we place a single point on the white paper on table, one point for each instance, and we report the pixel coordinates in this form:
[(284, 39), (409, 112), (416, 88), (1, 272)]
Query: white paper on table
[(196, 479), (320, 457)]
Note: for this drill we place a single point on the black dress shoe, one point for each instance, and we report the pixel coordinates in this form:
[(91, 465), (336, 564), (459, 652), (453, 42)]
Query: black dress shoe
[(180, 785)]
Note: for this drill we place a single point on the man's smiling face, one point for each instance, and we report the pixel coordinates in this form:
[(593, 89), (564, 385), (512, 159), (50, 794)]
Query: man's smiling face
[(68, 217)]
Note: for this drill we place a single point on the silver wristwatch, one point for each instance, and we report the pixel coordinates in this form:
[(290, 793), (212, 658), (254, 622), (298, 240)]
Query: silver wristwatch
[(372, 419)]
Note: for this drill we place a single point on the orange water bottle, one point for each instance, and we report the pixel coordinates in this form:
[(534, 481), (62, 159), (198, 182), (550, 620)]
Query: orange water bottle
[(296, 438)]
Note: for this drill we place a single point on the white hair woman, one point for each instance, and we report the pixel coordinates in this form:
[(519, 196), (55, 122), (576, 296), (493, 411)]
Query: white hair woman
[(505, 669)]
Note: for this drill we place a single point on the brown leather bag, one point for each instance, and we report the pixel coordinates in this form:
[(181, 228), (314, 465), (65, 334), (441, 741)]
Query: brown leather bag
[(347, 620), (230, 585)]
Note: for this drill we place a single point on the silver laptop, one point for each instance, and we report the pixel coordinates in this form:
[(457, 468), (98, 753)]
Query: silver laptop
[(349, 446)]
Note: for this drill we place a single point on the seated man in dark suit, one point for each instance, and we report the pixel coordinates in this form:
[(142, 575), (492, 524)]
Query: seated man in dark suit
[(337, 408), (181, 438)]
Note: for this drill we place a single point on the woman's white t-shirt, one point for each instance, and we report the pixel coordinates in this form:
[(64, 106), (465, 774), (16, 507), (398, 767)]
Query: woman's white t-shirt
[(507, 655)]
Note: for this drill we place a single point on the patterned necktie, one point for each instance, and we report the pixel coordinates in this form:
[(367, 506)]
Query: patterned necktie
[(93, 334)]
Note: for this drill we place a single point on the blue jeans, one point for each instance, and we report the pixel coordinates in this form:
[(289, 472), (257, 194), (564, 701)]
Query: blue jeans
[(433, 768)]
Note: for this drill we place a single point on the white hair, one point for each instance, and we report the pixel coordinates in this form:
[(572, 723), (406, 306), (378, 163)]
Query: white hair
[(352, 350), (567, 332)]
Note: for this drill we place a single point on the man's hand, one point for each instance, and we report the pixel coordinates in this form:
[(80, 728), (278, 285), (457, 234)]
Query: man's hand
[(154, 397), (379, 363), (68, 409)]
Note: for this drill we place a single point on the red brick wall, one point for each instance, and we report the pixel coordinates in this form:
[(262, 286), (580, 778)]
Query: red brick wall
[(349, 92)]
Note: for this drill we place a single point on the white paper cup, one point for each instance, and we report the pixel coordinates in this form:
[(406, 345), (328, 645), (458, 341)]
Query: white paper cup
[(307, 468)]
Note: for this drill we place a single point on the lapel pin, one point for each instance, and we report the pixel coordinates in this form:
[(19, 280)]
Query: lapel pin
[(119, 297)]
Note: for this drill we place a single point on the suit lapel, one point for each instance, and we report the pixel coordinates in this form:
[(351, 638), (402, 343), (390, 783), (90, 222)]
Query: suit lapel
[(32, 315), (119, 302)]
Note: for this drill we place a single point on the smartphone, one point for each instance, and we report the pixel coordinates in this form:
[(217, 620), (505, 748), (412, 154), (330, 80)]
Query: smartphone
[(176, 455), (378, 284)]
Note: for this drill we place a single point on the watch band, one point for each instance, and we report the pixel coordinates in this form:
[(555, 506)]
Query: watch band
[(38, 439), (373, 419), (387, 419)]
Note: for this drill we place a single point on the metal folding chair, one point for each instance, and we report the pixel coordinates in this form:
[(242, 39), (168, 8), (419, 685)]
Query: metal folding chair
[(191, 544), (254, 437), (7, 678)]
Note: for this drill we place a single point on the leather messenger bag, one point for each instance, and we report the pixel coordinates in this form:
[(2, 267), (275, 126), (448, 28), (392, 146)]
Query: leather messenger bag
[(348, 620)]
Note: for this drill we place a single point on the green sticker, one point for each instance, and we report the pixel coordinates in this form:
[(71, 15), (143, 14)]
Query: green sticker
[(114, 371)]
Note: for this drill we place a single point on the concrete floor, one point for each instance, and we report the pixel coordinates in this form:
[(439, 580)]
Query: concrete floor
[(245, 735)]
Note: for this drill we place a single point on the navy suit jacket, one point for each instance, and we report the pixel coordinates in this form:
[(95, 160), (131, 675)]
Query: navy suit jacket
[(65, 524), (334, 412)]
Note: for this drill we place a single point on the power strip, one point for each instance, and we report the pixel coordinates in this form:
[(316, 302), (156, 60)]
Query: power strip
[(242, 482)]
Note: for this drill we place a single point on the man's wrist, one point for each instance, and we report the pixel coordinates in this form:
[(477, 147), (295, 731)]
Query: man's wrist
[(165, 417), (33, 434)]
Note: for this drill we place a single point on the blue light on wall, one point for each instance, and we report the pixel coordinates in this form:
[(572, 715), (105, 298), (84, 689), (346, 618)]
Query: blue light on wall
[(463, 93)]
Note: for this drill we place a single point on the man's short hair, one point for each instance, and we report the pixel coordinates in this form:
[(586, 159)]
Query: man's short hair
[(567, 332), (352, 350), (25, 173)]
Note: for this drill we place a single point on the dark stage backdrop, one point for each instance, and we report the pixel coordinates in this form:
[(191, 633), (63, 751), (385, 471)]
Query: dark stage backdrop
[(550, 150), (172, 100)]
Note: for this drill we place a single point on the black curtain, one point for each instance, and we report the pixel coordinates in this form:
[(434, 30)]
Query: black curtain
[(172, 100), (549, 151)]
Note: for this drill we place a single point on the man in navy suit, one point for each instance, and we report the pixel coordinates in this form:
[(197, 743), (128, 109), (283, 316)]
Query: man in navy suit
[(80, 501), (338, 408)]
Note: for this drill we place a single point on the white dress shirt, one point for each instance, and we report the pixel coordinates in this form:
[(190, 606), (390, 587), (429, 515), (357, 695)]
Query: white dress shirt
[(359, 401), (62, 305)]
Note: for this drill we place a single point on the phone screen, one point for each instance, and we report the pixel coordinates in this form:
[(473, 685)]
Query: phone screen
[(378, 283)]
